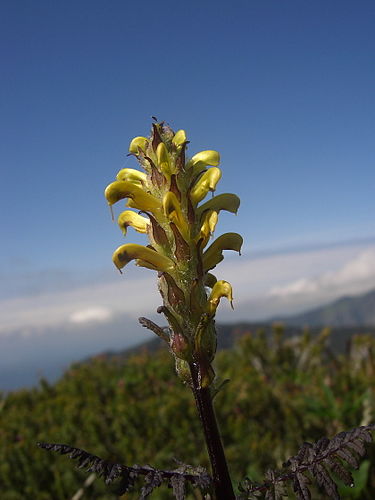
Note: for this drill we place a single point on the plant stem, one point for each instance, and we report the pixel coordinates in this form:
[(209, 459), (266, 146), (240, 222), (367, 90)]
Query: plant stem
[(221, 478)]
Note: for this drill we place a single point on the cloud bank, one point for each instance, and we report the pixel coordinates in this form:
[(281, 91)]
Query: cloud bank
[(90, 314), (263, 286), (355, 276)]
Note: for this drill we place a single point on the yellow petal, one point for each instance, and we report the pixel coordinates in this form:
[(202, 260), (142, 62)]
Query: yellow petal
[(226, 201), (136, 221), (163, 158), (125, 253), (210, 219), (119, 190), (179, 138), (214, 254), (207, 182), (220, 289), (172, 210), (208, 157), (147, 265), (138, 142), (131, 175)]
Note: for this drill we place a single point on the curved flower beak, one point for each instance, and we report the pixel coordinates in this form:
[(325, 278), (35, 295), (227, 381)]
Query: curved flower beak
[(205, 158), (220, 289), (147, 257), (225, 201), (214, 254), (210, 219), (207, 182), (179, 138), (173, 212), (119, 190), (162, 157), (131, 175), (138, 142), (136, 221)]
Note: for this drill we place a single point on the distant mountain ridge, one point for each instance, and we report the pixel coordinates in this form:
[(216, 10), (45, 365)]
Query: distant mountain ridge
[(24, 358), (346, 312), (346, 317), (228, 334)]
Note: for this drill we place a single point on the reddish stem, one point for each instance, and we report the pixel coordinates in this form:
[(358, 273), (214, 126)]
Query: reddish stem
[(221, 478)]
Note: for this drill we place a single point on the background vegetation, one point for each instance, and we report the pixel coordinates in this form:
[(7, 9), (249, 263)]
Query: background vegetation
[(282, 391)]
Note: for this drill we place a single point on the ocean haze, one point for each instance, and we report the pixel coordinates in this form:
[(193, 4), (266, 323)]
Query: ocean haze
[(25, 356)]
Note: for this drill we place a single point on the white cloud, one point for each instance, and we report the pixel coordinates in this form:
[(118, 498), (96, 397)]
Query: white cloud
[(131, 296), (263, 286), (355, 276), (284, 284), (90, 314)]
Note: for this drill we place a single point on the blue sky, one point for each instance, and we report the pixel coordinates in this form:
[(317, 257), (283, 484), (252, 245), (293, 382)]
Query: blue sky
[(284, 90)]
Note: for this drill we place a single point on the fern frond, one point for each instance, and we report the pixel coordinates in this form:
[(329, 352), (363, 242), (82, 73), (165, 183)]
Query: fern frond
[(153, 478), (315, 461)]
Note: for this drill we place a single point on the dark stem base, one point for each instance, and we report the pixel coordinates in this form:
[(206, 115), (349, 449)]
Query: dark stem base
[(222, 482)]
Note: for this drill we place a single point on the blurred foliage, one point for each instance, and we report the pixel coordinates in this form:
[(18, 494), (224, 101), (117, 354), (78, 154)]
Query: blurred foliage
[(282, 392)]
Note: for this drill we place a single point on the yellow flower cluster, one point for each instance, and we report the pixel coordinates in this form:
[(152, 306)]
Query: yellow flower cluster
[(165, 198)]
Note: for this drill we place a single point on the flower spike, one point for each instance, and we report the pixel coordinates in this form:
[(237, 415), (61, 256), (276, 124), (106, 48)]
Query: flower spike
[(167, 193)]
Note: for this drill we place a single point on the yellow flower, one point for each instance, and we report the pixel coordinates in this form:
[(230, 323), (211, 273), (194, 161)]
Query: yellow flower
[(214, 254), (220, 289), (138, 142), (119, 190), (136, 221), (179, 138), (153, 260), (205, 158), (207, 182)]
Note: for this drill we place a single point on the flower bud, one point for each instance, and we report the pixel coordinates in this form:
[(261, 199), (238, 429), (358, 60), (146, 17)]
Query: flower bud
[(131, 175), (136, 221), (205, 158), (138, 142), (180, 346), (183, 371), (207, 182), (179, 138), (163, 158), (220, 289)]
